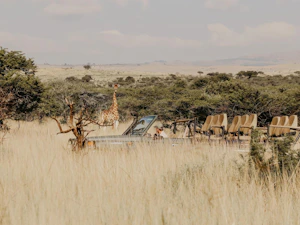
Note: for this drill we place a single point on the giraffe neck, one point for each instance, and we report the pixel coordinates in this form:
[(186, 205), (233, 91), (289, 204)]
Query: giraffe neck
[(114, 103)]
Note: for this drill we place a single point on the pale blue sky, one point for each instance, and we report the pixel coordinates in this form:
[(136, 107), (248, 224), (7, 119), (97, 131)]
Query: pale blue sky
[(132, 31)]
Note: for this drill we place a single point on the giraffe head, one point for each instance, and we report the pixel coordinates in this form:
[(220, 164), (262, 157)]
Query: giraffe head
[(116, 87)]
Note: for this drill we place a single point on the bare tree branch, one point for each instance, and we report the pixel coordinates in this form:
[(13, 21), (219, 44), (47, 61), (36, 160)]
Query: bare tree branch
[(60, 128), (83, 120)]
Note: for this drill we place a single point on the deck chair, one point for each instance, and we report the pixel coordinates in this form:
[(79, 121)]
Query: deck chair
[(207, 130), (251, 123), (232, 131), (246, 128), (220, 124), (285, 126), (272, 127), (291, 128), (219, 127), (292, 122), (207, 127), (207, 124), (283, 122), (234, 127), (244, 120)]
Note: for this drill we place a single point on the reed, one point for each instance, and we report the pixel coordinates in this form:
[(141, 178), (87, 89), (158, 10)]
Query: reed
[(43, 182)]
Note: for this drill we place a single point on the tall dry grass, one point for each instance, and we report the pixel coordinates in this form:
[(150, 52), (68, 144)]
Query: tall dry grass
[(42, 182)]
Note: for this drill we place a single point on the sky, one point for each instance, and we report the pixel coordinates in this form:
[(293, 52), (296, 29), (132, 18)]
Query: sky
[(137, 31)]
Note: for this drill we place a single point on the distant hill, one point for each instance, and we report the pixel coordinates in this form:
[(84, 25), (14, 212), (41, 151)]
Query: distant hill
[(255, 60), (283, 63)]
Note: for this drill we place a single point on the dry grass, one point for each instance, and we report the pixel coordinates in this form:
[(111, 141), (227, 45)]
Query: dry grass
[(111, 72), (42, 182), (99, 74)]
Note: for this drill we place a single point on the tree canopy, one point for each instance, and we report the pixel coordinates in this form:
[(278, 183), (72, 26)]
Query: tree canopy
[(18, 80), (15, 61), (188, 96)]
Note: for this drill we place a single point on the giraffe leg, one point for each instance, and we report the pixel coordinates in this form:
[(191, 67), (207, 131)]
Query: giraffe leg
[(116, 123)]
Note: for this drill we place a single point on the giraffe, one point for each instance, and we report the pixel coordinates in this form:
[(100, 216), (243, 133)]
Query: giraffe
[(111, 115)]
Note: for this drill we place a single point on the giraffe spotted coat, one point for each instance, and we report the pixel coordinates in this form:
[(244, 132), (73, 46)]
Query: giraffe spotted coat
[(110, 117)]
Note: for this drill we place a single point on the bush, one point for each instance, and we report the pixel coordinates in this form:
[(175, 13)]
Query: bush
[(129, 80), (87, 78), (82, 93), (188, 96), (28, 92), (248, 74), (72, 79), (297, 72), (87, 66), (17, 79), (283, 160), (200, 83), (180, 83), (257, 151)]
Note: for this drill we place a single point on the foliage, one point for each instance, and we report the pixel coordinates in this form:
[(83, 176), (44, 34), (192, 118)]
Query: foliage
[(123, 82), (18, 80), (171, 97), (15, 61), (72, 79), (200, 83), (188, 96), (248, 74), (87, 66), (27, 91), (6, 101), (257, 152), (82, 93), (77, 127), (87, 78), (217, 77), (286, 158), (129, 80), (283, 160), (297, 72)]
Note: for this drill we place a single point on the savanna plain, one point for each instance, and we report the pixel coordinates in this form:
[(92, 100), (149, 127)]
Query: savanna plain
[(43, 182)]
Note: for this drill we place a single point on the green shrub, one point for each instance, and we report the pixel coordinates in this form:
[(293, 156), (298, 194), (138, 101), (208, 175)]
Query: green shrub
[(200, 83), (257, 152), (188, 96), (283, 160), (15, 61), (87, 78), (72, 79), (129, 80), (87, 66), (28, 92), (247, 74), (180, 84), (17, 78), (284, 157)]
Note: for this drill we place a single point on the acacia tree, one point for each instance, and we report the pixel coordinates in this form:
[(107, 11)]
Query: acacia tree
[(17, 78), (15, 60), (76, 125), (6, 99)]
